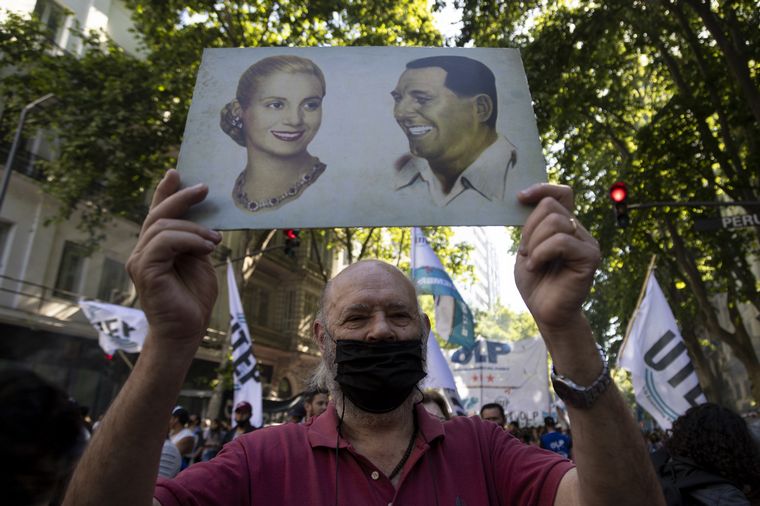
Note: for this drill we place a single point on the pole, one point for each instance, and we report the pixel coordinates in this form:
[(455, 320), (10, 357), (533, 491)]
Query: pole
[(16, 140), (638, 304)]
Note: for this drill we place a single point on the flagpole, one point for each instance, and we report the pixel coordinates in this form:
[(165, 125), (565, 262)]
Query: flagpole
[(638, 304), (126, 360)]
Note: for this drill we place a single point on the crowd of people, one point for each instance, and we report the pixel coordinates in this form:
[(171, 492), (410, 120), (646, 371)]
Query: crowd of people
[(710, 456)]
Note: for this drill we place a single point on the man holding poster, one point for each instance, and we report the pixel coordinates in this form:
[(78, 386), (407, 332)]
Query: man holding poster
[(374, 445)]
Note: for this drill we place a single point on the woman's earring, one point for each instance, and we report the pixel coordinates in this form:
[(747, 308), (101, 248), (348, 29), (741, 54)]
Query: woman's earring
[(237, 122)]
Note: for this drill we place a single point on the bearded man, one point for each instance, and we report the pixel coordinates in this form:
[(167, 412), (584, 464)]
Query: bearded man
[(375, 444)]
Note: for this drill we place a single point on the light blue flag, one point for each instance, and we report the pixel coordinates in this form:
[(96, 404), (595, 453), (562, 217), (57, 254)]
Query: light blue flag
[(453, 319)]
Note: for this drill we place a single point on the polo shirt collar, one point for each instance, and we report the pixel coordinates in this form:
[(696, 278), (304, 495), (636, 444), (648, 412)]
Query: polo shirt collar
[(322, 430), (480, 176)]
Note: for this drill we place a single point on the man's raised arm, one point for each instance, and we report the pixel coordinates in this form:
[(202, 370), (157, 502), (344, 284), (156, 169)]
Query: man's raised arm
[(554, 271), (175, 281)]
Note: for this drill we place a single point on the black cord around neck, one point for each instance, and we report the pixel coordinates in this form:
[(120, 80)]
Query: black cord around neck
[(408, 451)]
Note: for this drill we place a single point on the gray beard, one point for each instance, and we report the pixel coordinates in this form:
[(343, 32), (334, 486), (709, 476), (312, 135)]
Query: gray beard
[(324, 378)]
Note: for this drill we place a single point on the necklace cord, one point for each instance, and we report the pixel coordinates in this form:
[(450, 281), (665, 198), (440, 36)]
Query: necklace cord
[(408, 451)]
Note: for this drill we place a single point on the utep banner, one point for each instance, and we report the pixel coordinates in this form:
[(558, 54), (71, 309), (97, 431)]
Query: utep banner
[(247, 385), (118, 327), (664, 380), (511, 374), (453, 319)]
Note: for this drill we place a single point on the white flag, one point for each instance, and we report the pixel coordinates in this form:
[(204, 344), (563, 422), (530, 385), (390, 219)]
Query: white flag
[(664, 380), (439, 376), (246, 376), (118, 327)]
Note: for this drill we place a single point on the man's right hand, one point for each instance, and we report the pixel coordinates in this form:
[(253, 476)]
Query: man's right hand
[(171, 268)]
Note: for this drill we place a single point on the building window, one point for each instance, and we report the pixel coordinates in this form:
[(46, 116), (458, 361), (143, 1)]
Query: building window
[(70, 271), (284, 389), (259, 306), (53, 16), (114, 282), (5, 231), (289, 310)]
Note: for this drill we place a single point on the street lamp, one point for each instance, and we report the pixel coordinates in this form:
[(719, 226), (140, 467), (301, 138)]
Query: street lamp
[(9, 162)]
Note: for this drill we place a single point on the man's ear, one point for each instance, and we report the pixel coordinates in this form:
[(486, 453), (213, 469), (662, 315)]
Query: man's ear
[(483, 107), (426, 324), (318, 334)]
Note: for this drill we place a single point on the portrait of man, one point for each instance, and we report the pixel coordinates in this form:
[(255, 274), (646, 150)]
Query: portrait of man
[(447, 108)]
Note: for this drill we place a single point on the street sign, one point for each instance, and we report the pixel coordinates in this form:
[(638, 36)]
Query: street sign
[(728, 222)]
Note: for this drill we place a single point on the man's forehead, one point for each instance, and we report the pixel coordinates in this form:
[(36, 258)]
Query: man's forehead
[(362, 283)]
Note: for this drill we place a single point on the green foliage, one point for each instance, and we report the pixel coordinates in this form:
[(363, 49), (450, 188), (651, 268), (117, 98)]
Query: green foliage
[(393, 244), (504, 324), (665, 96)]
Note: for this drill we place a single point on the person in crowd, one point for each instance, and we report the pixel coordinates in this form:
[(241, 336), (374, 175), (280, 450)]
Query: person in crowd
[(212, 440), (243, 412), (709, 458), (554, 440), (276, 113), (375, 443), (493, 412), (436, 405), (314, 403), (179, 434), (195, 426), (297, 413), (447, 107), (42, 436), (514, 428)]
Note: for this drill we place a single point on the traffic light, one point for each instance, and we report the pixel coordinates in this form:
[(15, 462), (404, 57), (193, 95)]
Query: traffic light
[(619, 196), (291, 241)]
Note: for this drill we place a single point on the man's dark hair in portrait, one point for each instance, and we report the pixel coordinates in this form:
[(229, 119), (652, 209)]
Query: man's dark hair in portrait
[(465, 77)]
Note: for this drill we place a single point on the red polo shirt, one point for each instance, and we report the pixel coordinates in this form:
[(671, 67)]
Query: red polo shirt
[(464, 461)]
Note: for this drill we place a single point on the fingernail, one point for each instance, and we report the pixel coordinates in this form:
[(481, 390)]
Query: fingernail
[(217, 235), (198, 186), (210, 245)]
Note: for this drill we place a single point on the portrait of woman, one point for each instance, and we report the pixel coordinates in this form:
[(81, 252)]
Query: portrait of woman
[(276, 113)]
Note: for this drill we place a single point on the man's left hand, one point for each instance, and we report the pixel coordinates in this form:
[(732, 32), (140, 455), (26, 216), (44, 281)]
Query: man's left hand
[(557, 257)]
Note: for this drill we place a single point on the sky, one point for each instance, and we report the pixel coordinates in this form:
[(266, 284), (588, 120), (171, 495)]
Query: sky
[(509, 295)]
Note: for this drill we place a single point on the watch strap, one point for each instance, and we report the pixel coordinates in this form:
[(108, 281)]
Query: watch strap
[(579, 396)]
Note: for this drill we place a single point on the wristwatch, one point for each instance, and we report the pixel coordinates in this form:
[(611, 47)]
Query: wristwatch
[(578, 396)]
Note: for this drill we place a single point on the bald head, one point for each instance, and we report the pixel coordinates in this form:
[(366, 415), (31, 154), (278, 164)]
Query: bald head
[(364, 273), (365, 289)]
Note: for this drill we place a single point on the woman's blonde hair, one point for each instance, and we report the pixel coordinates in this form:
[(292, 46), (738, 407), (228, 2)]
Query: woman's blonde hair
[(253, 76)]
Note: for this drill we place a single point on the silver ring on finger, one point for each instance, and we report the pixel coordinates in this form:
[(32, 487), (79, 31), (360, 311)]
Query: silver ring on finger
[(575, 226)]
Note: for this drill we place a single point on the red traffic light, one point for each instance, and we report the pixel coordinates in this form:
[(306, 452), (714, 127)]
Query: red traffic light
[(291, 233), (618, 192)]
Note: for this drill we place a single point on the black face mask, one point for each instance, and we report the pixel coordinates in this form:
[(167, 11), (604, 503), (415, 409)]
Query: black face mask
[(378, 377)]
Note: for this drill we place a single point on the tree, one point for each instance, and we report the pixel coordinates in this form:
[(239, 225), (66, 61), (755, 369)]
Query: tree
[(661, 95), (504, 324)]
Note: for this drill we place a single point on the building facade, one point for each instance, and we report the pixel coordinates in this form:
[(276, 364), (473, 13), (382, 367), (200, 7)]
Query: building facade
[(45, 269)]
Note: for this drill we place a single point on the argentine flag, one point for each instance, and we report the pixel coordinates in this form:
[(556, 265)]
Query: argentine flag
[(453, 319)]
